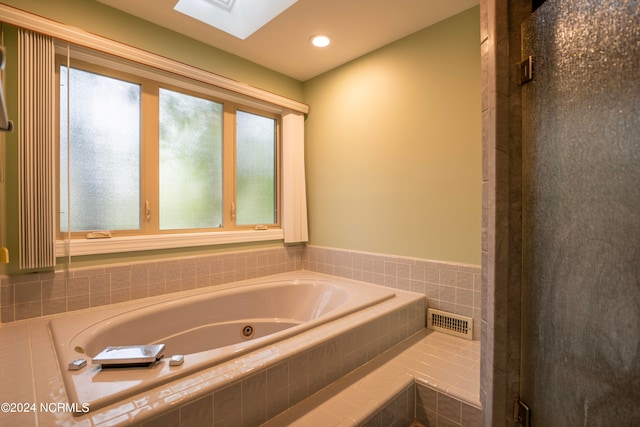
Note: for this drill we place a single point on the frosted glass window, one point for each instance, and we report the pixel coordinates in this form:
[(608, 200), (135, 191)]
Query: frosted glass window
[(190, 161), (255, 169), (104, 147), (161, 156)]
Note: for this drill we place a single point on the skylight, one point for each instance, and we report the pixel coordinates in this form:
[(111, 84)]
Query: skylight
[(240, 18)]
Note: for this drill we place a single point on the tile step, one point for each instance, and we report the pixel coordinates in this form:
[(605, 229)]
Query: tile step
[(383, 391)]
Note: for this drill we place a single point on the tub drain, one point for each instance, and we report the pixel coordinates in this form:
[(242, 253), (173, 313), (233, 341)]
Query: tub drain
[(247, 331)]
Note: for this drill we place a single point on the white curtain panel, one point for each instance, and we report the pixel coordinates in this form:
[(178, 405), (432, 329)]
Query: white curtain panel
[(294, 194)]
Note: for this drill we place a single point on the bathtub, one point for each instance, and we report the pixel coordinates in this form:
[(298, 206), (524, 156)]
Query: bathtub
[(208, 327)]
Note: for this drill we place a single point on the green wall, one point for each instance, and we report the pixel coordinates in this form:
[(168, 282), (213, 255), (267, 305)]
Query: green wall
[(393, 138), (394, 146)]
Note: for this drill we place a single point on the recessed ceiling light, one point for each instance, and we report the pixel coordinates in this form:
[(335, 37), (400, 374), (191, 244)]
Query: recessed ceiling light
[(321, 40)]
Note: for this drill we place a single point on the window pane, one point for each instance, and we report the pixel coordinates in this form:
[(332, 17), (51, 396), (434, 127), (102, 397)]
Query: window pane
[(255, 169), (104, 164), (190, 161)]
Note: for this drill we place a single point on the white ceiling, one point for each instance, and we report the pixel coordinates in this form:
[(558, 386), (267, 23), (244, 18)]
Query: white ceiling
[(356, 26)]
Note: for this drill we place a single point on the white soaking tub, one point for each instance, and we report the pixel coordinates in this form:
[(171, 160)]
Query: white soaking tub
[(207, 327)]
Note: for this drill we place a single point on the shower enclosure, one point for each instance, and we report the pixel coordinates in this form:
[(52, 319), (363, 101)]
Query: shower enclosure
[(581, 214)]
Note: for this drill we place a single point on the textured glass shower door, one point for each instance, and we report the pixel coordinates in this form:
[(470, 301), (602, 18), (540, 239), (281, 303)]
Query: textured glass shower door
[(581, 214)]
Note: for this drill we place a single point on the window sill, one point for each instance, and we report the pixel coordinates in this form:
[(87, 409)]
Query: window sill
[(162, 241)]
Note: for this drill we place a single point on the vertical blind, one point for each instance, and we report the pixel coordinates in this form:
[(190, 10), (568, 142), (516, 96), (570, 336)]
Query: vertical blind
[(36, 150)]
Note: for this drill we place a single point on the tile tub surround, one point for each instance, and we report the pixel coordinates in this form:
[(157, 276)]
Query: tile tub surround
[(448, 286), (252, 388), (451, 287), (430, 378), (40, 294)]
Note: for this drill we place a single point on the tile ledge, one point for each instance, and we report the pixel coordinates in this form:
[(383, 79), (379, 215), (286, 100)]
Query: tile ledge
[(393, 361)]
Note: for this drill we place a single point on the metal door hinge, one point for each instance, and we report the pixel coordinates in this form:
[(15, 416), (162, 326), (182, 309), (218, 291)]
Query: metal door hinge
[(521, 413), (525, 70)]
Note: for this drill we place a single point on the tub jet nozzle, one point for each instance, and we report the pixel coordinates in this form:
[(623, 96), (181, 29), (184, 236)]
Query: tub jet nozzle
[(247, 331)]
